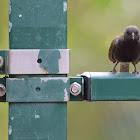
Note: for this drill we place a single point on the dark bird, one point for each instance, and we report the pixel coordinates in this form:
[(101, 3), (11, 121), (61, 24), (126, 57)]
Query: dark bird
[(126, 48)]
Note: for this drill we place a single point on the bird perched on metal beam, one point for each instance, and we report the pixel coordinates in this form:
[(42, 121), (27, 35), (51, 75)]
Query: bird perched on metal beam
[(126, 48)]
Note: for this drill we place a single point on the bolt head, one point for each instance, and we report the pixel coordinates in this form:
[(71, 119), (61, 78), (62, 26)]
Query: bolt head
[(2, 90), (75, 89), (1, 62)]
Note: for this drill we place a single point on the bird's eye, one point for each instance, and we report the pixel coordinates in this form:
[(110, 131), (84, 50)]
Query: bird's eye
[(136, 32), (128, 32)]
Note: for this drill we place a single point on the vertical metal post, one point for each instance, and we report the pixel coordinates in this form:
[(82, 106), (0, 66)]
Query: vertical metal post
[(37, 24)]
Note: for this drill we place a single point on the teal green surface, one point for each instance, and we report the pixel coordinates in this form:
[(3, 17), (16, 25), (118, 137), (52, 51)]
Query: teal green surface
[(92, 24), (38, 24), (37, 121), (49, 60), (113, 87), (37, 89)]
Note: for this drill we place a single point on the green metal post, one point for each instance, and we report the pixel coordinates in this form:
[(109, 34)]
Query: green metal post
[(37, 24)]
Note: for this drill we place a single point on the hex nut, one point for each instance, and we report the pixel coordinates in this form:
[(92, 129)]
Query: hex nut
[(75, 89), (1, 62), (2, 90)]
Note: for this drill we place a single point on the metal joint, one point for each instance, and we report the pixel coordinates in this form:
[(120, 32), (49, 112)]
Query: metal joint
[(2, 90), (75, 89)]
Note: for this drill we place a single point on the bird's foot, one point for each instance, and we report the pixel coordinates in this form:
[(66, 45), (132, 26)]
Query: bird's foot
[(113, 71), (136, 72)]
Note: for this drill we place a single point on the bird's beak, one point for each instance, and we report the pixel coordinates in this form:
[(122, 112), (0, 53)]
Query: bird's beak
[(133, 36)]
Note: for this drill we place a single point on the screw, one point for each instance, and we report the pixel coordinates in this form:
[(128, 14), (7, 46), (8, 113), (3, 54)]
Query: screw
[(1, 62), (2, 90), (75, 89)]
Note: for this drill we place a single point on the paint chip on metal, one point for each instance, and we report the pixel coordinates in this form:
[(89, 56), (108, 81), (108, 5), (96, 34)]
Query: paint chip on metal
[(20, 15), (10, 129), (9, 6), (66, 97), (65, 80), (10, 26), (65, 6), (12, 118), (38, 61), (18, 79), (37, 116)]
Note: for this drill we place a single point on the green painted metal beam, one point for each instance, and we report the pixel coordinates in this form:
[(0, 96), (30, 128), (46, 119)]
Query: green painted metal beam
[(104, 86), (38, 24), (38, 89), (38, 121)]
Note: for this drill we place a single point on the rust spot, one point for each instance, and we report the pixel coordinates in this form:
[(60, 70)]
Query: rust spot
[(44, 70)]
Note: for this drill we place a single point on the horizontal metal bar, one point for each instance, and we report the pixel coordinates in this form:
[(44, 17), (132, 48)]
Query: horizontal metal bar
[(104, 86), (43, 89), (37, 89), (36, 61)]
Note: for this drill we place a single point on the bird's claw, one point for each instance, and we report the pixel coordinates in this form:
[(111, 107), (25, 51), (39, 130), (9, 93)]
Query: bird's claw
[(136, 72), (113, 71)]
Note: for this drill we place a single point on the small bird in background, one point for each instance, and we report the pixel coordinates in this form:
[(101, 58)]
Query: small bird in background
[(126, 48)]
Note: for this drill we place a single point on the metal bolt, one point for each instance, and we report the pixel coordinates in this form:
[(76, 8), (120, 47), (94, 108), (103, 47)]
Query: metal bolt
[(1, 62), (75, 89), (2, 90)]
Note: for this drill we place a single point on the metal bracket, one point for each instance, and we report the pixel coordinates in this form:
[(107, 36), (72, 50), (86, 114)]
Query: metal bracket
[(40, 89), (105, 86), (48, 89), (35, 61)]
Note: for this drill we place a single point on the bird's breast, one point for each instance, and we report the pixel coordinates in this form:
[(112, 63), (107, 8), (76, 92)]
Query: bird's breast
[(127, 52)]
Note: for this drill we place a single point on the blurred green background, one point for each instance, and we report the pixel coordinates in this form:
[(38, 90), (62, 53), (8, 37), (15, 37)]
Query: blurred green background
[(92, 24)]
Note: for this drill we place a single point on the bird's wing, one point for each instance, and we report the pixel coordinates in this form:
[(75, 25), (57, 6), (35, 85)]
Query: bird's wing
[(136, 62), (112, 48)]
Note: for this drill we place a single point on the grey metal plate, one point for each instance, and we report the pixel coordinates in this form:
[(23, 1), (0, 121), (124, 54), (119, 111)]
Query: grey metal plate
[(36, 61)]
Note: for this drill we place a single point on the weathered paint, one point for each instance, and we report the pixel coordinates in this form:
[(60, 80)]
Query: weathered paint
[(66, 95), (118, 87), (10, 26), (38, 24), (37, 89), (35, 61), (9, 6), (50, 61), (65, 6), (38, 121), (37, 116), (43, 24), (12, 118), (10, 129)]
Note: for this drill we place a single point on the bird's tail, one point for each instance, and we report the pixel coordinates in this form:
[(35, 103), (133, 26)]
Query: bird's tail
[(124, 66)]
